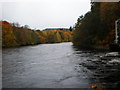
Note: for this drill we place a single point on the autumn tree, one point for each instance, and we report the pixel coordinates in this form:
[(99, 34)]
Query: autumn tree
[(14, 35), (8, 38), (96, 25)]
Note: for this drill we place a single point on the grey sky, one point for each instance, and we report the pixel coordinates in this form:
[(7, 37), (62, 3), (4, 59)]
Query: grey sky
[(45, 13)]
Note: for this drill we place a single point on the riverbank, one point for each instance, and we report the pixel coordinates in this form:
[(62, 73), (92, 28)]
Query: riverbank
[(94, 47), (13, 36), (101, 47), (18, 46)]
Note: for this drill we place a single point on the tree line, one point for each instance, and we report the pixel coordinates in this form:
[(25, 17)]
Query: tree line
[(14, 35), (97, 27)]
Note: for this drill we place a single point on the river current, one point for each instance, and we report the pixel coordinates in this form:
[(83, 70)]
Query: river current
[(59, 65)]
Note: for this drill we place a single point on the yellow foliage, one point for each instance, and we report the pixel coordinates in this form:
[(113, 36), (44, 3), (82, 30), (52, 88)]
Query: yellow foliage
[(7, 34)]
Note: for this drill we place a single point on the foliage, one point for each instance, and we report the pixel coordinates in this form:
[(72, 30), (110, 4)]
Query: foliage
[(14, 35), (97, 26), (7, 32)]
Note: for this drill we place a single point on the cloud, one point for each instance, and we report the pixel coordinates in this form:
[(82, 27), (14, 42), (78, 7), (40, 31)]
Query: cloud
[(45, 13)]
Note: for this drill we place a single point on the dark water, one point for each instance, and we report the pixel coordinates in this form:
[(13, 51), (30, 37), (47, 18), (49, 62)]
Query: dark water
[(59, 66)]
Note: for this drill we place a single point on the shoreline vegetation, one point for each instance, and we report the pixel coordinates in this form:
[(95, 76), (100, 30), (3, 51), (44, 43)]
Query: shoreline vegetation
[(94, 30), (13, 35)]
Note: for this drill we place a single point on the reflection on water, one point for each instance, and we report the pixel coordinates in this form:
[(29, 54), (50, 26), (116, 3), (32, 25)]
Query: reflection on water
[(59, 66)]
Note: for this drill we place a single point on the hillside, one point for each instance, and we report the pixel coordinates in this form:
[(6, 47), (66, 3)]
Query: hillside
[(12, 35)]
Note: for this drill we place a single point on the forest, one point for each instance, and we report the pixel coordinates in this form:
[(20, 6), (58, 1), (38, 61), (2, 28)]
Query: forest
[(96, 29), (14, 35)]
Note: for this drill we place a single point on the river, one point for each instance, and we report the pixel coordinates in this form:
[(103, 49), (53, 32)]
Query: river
[(59, 65)]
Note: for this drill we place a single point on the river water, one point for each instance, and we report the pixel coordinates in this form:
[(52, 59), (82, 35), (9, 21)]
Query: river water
[(59, 65)]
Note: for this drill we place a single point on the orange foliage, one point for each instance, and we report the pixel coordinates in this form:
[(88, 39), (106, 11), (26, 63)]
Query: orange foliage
[(7, 34), (93, 86), (14, 36), (42, 39)]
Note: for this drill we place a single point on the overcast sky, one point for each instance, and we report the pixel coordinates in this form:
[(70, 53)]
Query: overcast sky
[(45, 13)]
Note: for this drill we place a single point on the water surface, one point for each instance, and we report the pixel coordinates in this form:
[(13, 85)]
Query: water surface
[(58, 65)]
